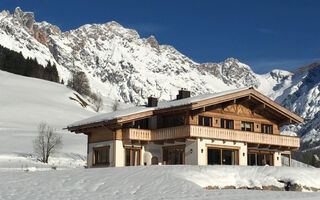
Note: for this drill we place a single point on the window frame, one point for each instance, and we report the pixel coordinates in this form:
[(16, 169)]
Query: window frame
[(94, 155), (224, 148), (263, 128), (171, 149), (246, 122), (131, 149), (202, 118), (223, 123)]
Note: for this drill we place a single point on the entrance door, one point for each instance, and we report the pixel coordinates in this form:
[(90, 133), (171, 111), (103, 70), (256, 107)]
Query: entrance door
[(174, 155), (132, 156), (221, 156)]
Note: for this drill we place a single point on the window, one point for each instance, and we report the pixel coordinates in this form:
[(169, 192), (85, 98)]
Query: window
[(141, 124), (227, 123), (260, 158), (205, 121), (174, 155), (221, 156), (246, 126), (266, 128), (132, 156), (101, 155), (252, 159), (171, 121)]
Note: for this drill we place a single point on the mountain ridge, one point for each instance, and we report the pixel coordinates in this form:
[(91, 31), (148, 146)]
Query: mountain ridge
[(123, 66)]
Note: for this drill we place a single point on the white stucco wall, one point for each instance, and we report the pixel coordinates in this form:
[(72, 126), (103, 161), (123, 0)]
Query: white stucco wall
[(195, 151), (118, 153), (277, 159)]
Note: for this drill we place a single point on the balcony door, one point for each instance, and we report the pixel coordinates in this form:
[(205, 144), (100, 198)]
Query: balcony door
[(174, 155), (222, 156), (132, 156)]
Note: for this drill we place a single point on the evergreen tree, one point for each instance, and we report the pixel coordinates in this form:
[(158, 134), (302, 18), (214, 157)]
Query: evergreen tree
[(14, 62)]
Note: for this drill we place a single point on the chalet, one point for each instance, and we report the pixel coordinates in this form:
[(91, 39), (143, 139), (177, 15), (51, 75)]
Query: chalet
[(236, 127)]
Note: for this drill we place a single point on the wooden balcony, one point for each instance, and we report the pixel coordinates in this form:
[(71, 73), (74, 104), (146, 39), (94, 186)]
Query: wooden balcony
[(194, 131)]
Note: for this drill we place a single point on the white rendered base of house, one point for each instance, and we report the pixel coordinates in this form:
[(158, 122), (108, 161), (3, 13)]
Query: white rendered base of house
[(195, 152)]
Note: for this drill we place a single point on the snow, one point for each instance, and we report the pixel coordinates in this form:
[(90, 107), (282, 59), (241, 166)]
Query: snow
[(155, 182), (25, 102), (162, 105), (112, 115)]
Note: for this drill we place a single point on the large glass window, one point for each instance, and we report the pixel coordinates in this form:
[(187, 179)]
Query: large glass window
[(101, 155), (205, 121), (217, 156), (260, 158), (214, 157), (227, 123), (174, 155), (252, 159), (266, 128), (132, 156), (246, 126)]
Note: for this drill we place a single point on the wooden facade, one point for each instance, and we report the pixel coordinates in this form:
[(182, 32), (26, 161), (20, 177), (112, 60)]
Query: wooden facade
[(245, 117)]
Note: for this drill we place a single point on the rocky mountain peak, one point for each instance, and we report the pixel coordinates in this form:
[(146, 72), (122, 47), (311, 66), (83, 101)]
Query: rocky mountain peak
[(25, 18), (153, 43)]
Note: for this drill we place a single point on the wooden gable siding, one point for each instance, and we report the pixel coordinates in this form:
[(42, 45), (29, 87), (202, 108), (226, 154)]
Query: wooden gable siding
[(238, 113), (100, 135)]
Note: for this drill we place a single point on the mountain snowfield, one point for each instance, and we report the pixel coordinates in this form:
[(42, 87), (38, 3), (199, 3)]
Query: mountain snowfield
[(122, 66)]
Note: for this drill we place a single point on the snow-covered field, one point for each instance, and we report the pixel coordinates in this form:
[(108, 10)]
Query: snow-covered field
[(155, 182), (24, 103)]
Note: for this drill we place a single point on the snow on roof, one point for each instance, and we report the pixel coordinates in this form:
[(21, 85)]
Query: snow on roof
[(190, 100), (112, 115), (140, 109)]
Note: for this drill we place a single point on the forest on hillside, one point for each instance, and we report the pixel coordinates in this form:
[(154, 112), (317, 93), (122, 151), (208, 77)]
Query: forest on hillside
[(14, 62)]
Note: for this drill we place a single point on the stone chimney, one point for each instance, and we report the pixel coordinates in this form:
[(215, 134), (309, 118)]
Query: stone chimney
[(152, 102), (183, 93)]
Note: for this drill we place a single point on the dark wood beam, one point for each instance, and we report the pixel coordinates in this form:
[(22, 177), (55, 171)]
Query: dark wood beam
[(197, 111)]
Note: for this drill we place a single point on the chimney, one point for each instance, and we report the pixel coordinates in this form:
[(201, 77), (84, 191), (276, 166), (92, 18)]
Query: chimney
[(152, 102), (183, 93)]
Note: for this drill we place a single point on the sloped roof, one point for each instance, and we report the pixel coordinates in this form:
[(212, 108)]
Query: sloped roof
[(196, 101)]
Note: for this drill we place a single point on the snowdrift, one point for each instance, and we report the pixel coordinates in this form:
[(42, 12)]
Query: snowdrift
[(155, 182)]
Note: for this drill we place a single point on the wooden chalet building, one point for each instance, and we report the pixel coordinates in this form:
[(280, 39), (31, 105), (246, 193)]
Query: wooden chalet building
[(236, 127)]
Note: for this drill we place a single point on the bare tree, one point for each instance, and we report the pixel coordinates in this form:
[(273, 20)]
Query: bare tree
[(47, 142), (115, 105), (97, 101), (80, 83)]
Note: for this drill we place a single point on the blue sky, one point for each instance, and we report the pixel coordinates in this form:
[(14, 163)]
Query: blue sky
[(264, 34)]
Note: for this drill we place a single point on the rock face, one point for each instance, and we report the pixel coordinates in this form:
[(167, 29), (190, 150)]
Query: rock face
[(121, 65)]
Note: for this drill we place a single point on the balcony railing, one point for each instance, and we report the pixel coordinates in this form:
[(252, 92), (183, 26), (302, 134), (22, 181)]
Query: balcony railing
[(195, 131)]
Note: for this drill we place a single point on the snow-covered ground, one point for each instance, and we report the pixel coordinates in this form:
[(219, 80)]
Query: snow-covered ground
[(24, 103), (156, 182)]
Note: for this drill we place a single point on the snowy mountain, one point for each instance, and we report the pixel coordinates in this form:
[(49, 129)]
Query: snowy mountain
[(123, 66)]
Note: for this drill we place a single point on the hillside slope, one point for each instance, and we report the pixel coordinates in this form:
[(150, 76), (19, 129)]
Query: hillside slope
[(25, 102)]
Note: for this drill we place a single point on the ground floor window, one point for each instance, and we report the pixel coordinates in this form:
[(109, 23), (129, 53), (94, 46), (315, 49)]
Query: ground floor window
[(132, 156), (222, 156), (101, 155), (174, 155), (260, 158)]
